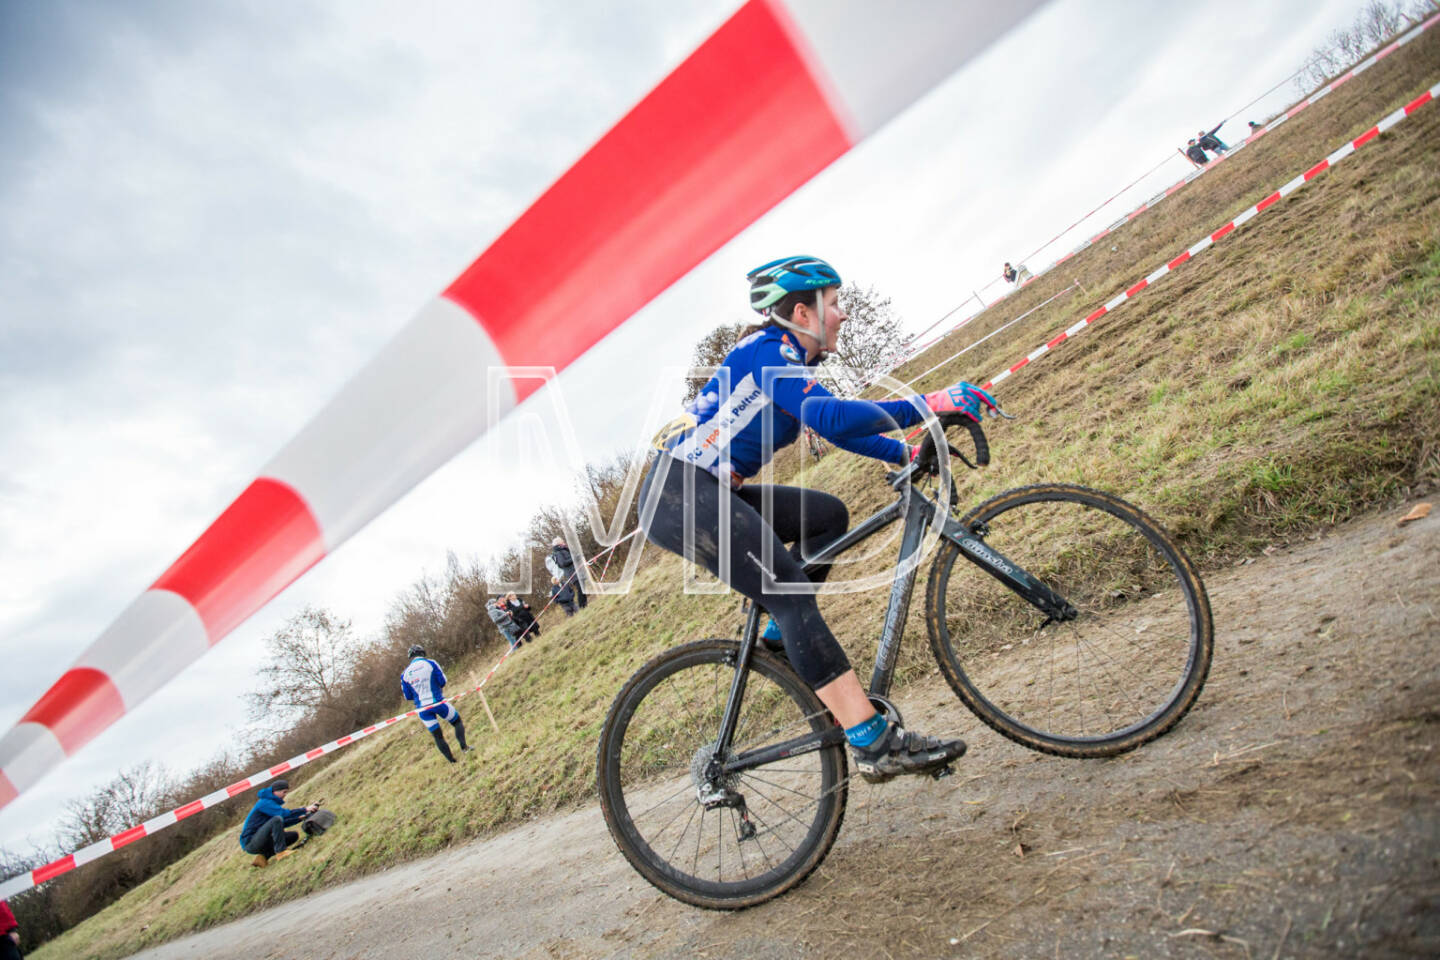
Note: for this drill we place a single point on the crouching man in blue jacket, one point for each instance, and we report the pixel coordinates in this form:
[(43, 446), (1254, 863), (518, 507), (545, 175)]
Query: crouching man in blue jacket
[(263, 832)]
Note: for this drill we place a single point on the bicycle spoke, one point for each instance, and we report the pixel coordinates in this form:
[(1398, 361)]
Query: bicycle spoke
[(684, 788), (748, 776), (769, 831), (694, 810), (807, 806), (699, 838)]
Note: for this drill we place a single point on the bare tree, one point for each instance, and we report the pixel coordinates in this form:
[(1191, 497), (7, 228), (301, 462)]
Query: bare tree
[(710, 352), (1376, 23), (309, 666), (136, 794), (867, 339), (1379, 21)]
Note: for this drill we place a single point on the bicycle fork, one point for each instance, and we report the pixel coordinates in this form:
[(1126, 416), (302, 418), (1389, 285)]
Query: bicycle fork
[(971, 541)]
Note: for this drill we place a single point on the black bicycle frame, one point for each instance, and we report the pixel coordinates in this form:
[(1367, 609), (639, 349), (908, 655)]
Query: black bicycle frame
[(918, 511)]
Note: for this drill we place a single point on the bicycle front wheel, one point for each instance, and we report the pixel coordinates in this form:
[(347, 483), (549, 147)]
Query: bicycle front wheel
[(1121, 673), (779, 820)]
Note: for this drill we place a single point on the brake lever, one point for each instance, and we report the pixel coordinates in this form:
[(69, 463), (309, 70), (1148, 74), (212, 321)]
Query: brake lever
[(995, 412), (963, 459)]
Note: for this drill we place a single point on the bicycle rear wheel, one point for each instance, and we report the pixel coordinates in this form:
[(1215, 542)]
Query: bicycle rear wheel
[(654, 747), (1121, 673)]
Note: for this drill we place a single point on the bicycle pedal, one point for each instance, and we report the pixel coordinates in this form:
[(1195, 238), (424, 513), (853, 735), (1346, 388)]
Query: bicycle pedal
[(940, 773)]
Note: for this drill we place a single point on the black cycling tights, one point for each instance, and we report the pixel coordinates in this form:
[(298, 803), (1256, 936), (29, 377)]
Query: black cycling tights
[(459, 726), (808, 518)]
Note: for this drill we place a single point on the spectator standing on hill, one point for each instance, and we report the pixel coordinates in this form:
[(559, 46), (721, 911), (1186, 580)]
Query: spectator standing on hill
[(1196, 153), (1010, 273), (499, 614), (1214, 144), (423, 684), (1254, 127), (524, 619), (263, 832), (9, 934), (560, 552), (561, 594)]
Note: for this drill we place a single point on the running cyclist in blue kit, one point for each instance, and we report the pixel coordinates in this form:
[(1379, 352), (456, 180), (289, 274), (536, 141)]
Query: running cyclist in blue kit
[(423, 684)]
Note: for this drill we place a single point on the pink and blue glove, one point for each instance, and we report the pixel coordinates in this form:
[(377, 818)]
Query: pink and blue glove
[(963, 398)]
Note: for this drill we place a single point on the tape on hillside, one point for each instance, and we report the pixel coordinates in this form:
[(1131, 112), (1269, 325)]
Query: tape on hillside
[(1289, 113), (1215, 236), (998, 330), (1283, 117), (688, 168), (53, 869), (124, 838)]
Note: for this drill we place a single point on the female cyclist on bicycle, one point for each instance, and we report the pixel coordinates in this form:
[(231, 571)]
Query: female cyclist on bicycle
[(768, 391)]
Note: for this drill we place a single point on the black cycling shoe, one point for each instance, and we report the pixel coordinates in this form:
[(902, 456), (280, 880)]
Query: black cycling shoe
[(899, 752)]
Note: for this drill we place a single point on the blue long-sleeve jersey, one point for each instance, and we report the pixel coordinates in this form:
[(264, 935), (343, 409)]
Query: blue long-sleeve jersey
[(766, 374), (423, 682)]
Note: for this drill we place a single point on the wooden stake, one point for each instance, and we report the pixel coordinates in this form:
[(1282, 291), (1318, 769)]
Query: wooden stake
[(486, 704)]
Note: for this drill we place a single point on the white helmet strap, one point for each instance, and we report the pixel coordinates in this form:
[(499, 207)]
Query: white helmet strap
[(821, 334)]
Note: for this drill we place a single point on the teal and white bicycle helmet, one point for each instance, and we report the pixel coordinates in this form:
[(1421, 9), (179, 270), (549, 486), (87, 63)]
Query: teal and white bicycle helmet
[(774, 281)]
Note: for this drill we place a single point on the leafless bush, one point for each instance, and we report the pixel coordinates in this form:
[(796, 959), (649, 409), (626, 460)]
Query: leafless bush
[(1376, 23), (134, 795)]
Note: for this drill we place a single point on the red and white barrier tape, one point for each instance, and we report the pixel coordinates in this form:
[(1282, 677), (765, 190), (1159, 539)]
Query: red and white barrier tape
[(1150, 203), (1244, 217), (1154, 199), (53, 869), (689, 167), (1284, 117), (921, 349), (97, 850), (998, 330)]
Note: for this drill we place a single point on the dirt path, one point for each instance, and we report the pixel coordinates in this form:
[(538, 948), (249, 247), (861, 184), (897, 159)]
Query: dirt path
[(1293, 814)]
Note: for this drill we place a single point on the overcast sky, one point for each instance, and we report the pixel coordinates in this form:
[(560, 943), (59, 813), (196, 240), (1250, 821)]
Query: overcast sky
[(211, 215)]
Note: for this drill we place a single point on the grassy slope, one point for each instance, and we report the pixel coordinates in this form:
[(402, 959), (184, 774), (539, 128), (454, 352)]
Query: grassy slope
[(1286, 378)]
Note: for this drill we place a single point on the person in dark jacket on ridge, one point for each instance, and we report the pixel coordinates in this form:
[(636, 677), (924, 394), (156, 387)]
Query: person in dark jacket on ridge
[(524, 619), (1211, 142), (561, 554), (263, 832), (561, 594), (1196, 153)]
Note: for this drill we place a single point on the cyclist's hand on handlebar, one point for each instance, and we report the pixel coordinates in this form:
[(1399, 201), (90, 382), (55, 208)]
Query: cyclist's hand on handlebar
[(964, 398)]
